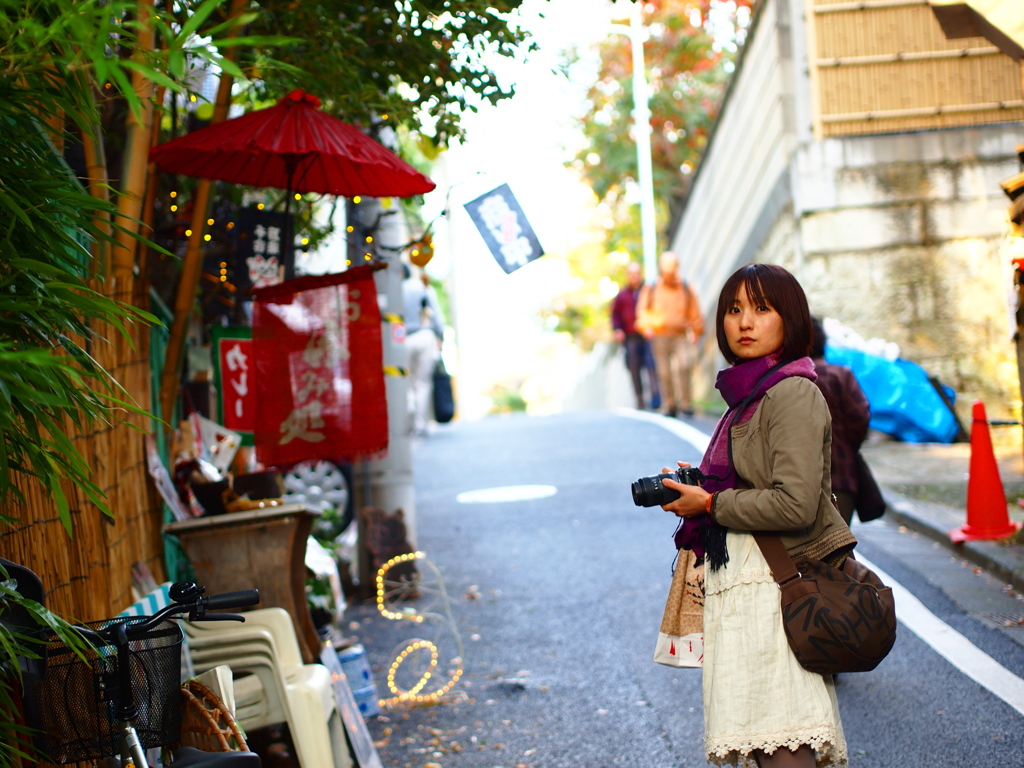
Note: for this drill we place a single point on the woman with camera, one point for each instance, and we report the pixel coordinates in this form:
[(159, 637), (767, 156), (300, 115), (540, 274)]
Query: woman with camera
[(766, 469)]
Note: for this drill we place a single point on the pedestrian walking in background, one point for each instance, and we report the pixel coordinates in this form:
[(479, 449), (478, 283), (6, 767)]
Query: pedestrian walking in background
[(850, 416), (767, 469), (669, 316), (638, 354), (423, 335)]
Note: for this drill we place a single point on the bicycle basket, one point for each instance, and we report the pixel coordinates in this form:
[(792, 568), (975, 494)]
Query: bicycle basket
[(74, 709)]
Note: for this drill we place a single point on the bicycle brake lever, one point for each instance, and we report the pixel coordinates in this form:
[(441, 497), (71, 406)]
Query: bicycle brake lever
[(216, 617)]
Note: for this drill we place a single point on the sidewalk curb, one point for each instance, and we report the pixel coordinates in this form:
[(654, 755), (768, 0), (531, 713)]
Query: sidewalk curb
[(934, 521)]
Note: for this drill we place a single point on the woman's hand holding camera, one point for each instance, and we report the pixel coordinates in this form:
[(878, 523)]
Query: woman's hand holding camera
[(692, 498)]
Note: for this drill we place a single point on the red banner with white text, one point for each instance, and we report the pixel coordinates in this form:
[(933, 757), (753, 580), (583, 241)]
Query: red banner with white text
[(319, 369)]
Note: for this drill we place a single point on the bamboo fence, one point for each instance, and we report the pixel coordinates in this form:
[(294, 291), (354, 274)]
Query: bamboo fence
[(88, 576), (885, 66)]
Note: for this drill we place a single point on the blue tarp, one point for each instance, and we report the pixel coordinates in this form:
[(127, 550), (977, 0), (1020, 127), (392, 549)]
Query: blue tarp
[(904, 403)]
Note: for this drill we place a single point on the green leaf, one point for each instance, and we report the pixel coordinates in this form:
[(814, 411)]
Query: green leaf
[(252, 40), (62, 508), (231, 68), (199, 15), (155, 75), (176, 63), (242, 20), (124, 85), (8, 202)]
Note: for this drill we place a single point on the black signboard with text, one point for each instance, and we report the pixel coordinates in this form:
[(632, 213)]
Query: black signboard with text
[(262, 255), (504, 228)]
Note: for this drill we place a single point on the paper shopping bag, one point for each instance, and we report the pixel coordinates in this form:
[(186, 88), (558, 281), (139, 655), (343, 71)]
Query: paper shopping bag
[(681, 639)]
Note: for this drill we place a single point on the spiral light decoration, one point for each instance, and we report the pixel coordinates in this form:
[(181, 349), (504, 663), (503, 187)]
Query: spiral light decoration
[(415, 694)]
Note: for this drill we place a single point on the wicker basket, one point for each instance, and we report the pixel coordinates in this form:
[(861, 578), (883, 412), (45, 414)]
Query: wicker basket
[(205, 722)]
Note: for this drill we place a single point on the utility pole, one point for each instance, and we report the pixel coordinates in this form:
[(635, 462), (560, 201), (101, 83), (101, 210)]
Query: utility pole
[(637, 33), (386, 482)]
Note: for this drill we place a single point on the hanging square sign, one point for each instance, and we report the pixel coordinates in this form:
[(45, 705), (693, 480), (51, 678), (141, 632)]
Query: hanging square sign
[(504, 228), (262, 255), (234, 377)]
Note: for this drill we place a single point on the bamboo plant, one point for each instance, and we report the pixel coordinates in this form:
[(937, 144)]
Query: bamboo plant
[(15, 643), (61, 62), (58, 60)]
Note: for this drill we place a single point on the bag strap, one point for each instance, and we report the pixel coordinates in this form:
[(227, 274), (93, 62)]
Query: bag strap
[(779, 560)]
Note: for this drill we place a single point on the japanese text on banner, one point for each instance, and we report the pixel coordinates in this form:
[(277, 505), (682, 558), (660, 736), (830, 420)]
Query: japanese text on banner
[(320, 380)]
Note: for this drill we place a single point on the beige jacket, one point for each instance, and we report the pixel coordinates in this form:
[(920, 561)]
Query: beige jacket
[(668, 310), (784, 454)]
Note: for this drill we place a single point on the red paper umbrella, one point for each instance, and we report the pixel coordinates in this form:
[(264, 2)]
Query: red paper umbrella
[(292, 146)]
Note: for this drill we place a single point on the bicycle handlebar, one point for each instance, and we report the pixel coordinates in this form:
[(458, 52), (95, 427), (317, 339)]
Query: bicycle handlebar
[(189, 600), (241, 599)]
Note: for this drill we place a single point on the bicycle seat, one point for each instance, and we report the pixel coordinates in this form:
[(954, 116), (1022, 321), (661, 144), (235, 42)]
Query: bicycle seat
[(29, 584), (18, 619), (190, 757)]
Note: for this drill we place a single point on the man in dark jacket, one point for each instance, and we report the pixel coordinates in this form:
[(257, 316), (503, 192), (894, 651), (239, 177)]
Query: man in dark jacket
[(850, 416), (638, 355)]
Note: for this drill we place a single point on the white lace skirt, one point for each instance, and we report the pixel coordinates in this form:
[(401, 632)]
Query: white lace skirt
[(756, 695)]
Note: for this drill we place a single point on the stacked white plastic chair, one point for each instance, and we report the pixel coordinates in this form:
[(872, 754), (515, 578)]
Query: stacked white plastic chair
[(271, 684)]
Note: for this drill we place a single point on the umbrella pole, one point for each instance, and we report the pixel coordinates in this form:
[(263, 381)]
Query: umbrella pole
[(289, 257), (289, 238)]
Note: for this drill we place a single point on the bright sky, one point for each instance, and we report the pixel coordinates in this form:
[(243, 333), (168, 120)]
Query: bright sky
[(523, 142)]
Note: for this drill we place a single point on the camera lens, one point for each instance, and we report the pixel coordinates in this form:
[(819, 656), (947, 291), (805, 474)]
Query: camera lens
[(638, 491), (651, 492)]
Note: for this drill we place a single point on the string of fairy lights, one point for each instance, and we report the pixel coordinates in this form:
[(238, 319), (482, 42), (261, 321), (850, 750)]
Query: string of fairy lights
[(389, 593), (420, 250)]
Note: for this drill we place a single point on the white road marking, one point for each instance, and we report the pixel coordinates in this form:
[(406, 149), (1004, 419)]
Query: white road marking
[(506, 493), (681, 429), (951, 645), (911, 612)]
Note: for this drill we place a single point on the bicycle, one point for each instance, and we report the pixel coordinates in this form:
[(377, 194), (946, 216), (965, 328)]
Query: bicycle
[(125, 698)]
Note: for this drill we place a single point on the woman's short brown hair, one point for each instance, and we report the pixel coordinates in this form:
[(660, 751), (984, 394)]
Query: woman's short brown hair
[(772, 285)]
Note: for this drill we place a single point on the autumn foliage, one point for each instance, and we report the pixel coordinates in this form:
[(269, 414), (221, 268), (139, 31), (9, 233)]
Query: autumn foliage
[(689, 54)]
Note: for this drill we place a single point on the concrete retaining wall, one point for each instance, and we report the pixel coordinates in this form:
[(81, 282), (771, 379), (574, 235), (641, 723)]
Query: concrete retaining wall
[(899, 236)]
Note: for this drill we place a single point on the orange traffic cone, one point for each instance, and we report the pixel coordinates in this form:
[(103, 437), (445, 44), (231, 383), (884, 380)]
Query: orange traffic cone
[(987, 517)]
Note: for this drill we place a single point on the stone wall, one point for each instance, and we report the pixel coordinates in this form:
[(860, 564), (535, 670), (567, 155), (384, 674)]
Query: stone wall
[(905, 237), (902, 236)]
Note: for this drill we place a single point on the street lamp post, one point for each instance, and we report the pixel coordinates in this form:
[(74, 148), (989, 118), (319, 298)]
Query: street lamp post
[(637, 34)]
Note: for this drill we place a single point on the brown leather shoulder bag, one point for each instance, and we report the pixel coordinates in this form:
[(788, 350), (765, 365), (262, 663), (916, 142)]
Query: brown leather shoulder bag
[(836, 620)]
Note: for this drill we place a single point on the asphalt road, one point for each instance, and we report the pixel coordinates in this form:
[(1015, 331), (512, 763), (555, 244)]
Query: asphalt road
[(557, 602)]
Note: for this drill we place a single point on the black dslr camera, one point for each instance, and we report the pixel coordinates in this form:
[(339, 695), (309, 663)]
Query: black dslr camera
[(651, 492)]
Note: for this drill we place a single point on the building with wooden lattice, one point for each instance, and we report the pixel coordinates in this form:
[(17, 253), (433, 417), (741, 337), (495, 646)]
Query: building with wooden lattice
[(862, 148)]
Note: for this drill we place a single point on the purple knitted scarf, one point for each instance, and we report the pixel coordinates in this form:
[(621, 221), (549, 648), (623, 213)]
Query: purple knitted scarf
[(742, 386)]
